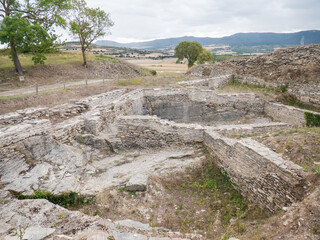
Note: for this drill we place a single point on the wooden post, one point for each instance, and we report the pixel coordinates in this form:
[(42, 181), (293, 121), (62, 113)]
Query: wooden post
[(37, 89), (64, 85), (86, 82)]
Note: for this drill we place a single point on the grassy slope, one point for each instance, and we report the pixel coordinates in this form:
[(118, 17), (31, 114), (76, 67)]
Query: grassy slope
[(65, 67), (53, 58)]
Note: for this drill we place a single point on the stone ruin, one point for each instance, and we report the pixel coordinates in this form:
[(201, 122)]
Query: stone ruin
[(80, 153), (296, 68)]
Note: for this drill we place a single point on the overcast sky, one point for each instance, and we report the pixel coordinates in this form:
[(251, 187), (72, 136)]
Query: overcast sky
[(139, 20)]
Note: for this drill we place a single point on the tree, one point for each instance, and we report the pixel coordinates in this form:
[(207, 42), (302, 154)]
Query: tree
[(28, 25), (205, 56), (88, 24), (188, 50)]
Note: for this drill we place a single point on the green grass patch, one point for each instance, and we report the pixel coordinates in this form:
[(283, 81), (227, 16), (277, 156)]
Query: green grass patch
[(71, 200), (9, 98), (313, 120), (106, 59), (136, 81), (247, 86), (52, 59), (208, 191)]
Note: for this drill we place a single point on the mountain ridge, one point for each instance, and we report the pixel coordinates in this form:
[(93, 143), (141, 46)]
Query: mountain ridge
[(235, 40)]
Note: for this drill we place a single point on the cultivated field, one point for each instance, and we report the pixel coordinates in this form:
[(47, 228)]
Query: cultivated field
[(165, 65)]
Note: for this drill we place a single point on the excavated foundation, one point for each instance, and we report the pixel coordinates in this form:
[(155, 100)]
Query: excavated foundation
[(108, 139)]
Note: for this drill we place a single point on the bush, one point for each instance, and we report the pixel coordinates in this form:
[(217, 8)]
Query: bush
[(153, 72), (313, 120)]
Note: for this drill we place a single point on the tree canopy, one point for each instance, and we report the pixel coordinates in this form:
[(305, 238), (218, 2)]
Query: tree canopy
[(205, 56), (188, 50), (88, 24), (28, 26)]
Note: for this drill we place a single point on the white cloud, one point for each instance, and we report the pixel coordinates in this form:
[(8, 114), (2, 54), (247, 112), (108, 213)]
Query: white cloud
[(137, 20)]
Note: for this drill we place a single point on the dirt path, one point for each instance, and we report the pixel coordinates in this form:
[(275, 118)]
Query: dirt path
[(61, 85)]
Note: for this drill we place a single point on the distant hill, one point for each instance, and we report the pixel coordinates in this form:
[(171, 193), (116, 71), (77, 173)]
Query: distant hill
[(236, 40)]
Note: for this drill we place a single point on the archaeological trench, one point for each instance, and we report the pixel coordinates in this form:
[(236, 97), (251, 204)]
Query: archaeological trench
[(82, 154)]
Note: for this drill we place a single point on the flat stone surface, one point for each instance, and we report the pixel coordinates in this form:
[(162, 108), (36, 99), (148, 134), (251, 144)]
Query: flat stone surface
[(137, 183), (37, 233), (134, 224), (129, 236)]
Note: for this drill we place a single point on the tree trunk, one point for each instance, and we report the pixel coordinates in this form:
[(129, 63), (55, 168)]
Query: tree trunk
[(15, 58), (84, 57)]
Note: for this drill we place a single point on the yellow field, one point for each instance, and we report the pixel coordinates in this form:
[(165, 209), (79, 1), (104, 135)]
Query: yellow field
[(165, 65)]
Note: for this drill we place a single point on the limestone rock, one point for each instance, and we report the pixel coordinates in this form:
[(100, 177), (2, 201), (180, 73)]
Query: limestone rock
[(37, 233), (134, 224), (137, 183), (95, 142)]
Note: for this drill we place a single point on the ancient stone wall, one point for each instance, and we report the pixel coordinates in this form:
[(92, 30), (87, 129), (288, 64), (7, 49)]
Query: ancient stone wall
[(259, 173), (201, 106), (297, 67), (284, 113), (211, 83), (151, 131)]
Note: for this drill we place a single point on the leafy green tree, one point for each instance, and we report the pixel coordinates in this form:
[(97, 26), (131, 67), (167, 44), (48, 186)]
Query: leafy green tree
[(188, 50), (28, 26), (88, 24), (205, 56)]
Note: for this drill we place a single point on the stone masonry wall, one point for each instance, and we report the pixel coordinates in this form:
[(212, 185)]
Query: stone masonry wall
[(201, 106), (284, 113), (259, 173), (151, 131)]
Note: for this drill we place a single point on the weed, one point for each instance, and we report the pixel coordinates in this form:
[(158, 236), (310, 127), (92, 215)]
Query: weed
[(153, 72), (313, 120), (97, 213), (66, 199), (21, 231), (61, 216), (292, 100)]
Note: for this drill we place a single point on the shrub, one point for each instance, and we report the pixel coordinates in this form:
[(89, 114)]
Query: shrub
[(153, 72), (313, 120)]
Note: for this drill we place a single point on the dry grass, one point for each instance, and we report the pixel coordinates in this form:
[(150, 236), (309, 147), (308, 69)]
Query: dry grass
[(49, 99), (52, 98), (165, 65), (300, 145)]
